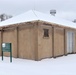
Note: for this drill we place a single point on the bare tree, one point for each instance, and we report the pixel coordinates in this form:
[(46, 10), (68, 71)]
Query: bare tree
[(74, 21), (4, 17)]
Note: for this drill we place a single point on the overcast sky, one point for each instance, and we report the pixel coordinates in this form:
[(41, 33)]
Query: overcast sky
[(65, 8)]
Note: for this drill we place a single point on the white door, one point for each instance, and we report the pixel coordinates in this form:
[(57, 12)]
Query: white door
[(70, 42)]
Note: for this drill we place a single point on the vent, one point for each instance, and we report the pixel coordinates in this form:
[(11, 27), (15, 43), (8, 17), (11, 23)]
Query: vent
[(53, 12)]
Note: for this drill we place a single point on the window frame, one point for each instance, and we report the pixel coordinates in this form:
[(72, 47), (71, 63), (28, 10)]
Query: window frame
[(46, 32)]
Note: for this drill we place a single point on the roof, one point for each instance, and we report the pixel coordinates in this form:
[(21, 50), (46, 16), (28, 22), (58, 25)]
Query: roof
[(35, 15)]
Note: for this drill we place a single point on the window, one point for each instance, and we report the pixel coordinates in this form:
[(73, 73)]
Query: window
[(46, 32)]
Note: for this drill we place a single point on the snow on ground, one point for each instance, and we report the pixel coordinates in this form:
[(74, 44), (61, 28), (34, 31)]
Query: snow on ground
[(65, 65)]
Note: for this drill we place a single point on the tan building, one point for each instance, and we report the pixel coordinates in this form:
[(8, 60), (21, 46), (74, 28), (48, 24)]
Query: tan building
[(35, 36)]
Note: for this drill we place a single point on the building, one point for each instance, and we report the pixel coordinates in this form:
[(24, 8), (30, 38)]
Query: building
[(35, 36)]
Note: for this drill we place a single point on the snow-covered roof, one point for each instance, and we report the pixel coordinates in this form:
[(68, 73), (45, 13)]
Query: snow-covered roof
[(35, 15)]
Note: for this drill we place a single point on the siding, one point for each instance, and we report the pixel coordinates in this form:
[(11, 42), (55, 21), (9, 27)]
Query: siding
[(44, 43), (58, 42)]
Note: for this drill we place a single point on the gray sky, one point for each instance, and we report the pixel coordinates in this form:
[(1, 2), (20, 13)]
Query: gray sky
[(65, 8)]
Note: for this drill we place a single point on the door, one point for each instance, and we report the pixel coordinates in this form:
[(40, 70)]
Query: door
[(70, 42)]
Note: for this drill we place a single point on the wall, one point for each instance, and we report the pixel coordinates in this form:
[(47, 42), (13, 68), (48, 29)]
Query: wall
[(58, 41), (23, 39), (9, 37), (44, 43), (26, 44)]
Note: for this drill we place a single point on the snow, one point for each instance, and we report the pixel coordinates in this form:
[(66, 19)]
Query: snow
[(33, 15), (28, 16), (65, 65)]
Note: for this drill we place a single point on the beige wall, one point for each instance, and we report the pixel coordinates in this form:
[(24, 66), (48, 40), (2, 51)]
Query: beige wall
[(44, 43), (58, 41), (26, 43), (9, 37), (23, 39)]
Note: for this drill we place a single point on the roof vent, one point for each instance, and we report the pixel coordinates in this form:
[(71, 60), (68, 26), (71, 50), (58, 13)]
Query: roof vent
[(53, 12)]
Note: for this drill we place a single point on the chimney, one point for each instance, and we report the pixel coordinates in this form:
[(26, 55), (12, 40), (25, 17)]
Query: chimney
[(53, 12)]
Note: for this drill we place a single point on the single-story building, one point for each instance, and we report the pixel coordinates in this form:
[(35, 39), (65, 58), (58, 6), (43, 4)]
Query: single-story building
[(35, 35)]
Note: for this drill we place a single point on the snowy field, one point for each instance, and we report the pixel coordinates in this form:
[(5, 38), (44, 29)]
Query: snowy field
[(65, 65)]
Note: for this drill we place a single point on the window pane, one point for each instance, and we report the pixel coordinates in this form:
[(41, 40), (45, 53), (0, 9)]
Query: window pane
[(46, 32)]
